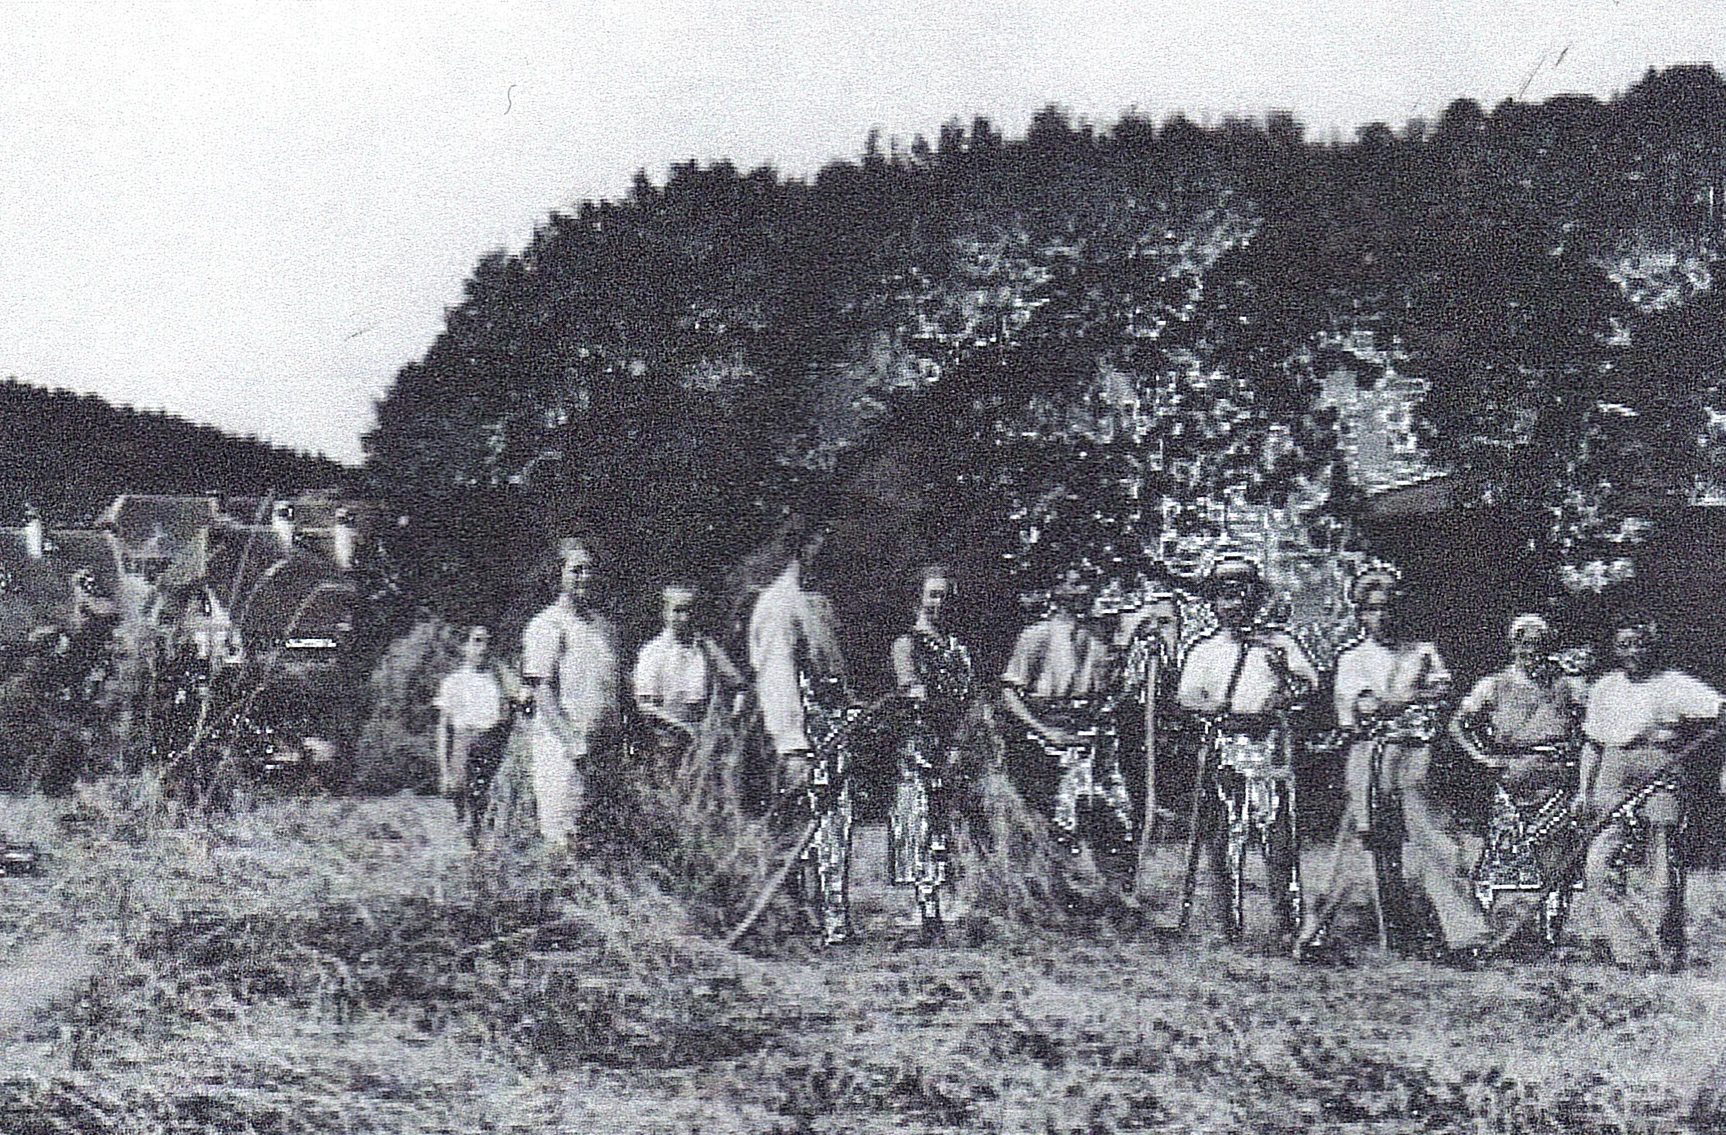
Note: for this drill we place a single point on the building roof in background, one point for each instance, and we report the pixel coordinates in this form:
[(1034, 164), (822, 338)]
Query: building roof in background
[(158, 524), (274, 593)]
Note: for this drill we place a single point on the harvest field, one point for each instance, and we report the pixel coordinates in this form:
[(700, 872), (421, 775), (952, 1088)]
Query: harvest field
[(347, 965)]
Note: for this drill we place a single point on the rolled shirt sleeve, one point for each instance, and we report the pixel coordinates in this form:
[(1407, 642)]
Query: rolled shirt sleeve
[(1693, 699), (581, 656), (1622, 712), (1480, 697), (1352, 680)]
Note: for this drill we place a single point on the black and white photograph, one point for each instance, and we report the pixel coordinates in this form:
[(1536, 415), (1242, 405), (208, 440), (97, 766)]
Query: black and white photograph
[(748, 568)]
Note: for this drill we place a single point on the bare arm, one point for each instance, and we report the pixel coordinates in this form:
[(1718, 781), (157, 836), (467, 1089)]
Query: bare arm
[(729, 679), (1461, 731), (905, 670), (1289, 663), (1021, 666), (1345, 691), (1587, 770), (657, 713), (729, 675), (440, 746), (1464, 725), (543, 644), (1014, 700), (776, 690), (1712, 733)]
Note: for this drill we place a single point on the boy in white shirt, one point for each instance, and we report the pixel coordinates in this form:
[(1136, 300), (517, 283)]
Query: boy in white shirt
[(472, 719), (680, 671)]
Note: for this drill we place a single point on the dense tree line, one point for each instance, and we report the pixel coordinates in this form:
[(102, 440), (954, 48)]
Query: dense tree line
[(70, 455), (1012, 351)]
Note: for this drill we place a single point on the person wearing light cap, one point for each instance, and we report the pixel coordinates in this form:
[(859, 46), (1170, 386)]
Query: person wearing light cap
[(1523, 722), (1387, 687), (1243, 679), (1643, 725)]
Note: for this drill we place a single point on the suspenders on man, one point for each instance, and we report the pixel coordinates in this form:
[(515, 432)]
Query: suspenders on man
[(1243, 680)]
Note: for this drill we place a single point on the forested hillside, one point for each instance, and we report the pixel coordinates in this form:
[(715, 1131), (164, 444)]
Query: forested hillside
[(71, 454), (1015, 352)]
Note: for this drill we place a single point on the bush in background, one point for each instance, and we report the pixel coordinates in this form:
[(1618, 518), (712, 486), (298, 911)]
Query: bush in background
[(394, 749)]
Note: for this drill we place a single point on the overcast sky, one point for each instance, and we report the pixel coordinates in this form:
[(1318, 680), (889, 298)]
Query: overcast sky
[(253, 215)]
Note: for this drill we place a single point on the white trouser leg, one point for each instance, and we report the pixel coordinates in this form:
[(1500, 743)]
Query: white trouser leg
[(558, 787)]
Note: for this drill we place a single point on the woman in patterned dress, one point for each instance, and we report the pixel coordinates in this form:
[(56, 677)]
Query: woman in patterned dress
[(933, 672), (1523, 723)]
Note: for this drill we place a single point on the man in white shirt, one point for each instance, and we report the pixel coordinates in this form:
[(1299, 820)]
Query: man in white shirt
[(1642, 724), (805, 699), (1243, 679), (680, 671), (569, 663), (1387, 689)]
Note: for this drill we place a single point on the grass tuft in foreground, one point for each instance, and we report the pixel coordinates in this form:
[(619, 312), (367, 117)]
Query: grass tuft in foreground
[(343, 965)]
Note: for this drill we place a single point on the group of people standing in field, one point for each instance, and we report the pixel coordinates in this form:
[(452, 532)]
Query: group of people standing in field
[(1589, 777)]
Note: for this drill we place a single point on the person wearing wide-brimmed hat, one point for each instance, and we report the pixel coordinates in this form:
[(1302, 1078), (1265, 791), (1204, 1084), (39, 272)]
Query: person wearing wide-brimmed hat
[(1643, 723), (1056, 683), (1524, 722), (1387, 688), (1243, 679)]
